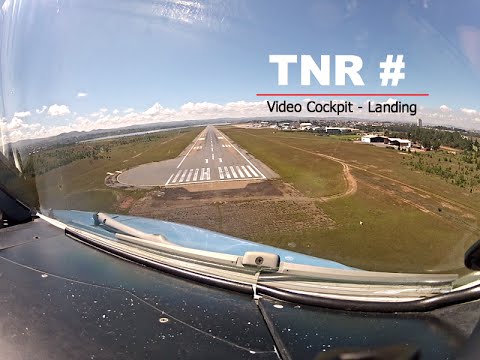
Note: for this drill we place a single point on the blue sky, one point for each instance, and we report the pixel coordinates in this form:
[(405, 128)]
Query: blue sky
[(132, 54)]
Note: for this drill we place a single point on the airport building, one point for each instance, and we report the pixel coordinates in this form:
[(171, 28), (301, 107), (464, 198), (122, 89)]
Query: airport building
[(373, 139), (336, 130), (402, 143), (305, 126)]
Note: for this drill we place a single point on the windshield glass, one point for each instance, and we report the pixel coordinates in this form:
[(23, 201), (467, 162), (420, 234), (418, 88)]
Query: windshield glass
[(346, 131)]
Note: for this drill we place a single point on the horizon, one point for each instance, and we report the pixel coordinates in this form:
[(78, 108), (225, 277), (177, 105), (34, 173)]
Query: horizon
[(138, 63), (155, 126)]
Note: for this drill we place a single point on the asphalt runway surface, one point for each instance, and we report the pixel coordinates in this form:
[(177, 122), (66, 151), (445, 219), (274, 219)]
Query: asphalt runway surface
[(212, 157)]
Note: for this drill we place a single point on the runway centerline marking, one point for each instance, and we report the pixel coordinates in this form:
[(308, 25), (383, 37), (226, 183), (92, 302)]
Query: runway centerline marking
[(220, 159), (206, 161), (213, 156)]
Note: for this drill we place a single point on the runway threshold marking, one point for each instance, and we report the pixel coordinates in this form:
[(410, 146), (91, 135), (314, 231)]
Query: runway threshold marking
[(205, 174), (176, 176), (249, 162), (246, 171), (252, 171), (232, 170), (183, 175), (239, 172)]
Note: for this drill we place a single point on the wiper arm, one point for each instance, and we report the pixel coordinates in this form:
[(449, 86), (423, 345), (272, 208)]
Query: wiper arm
[(104, 219), (255, 259)]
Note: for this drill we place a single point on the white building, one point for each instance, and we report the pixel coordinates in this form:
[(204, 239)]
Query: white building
[(373, 139), (402, 143), (305, 126)]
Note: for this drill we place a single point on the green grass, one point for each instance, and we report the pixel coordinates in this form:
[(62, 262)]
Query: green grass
[(385, 225), (378, 160), (80, 184), (345, 137), (314, 176)]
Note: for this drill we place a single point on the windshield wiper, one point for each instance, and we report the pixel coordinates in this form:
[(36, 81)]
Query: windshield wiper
[(104, 219), (158, 242)]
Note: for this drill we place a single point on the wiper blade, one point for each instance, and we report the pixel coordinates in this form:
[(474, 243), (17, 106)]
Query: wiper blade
[(265, 270), (104, 219), (158, 242)]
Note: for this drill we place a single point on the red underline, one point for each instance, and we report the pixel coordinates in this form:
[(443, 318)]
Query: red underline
[(337, 94)]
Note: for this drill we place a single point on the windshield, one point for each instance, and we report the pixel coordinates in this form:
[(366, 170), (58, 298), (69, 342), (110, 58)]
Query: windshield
[(340, 130)]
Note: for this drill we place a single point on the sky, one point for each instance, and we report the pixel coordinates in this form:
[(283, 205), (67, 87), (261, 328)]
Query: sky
[(86, 64)]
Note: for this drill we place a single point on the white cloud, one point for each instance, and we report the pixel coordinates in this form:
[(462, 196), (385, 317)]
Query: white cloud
[(82, 94), (22, 114), (158, 110), (129, 110), (445, 108), (469, 111), (103, 110), (115, 111), (390, 101), (18, 129), (58, 110), (41, 110)]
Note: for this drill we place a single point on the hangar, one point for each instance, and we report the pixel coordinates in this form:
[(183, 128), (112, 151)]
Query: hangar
[(373, 139)]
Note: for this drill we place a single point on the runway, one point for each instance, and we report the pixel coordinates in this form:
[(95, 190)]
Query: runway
[(211, 158)]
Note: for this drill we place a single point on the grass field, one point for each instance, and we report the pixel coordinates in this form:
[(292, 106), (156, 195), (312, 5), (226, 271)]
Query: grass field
[(354, 203), (396, 220), (80, 184)]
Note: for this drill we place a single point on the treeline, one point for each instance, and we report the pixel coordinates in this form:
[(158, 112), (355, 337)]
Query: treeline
[(40, 163), (61, 155), (463, 171), (432, 138)]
